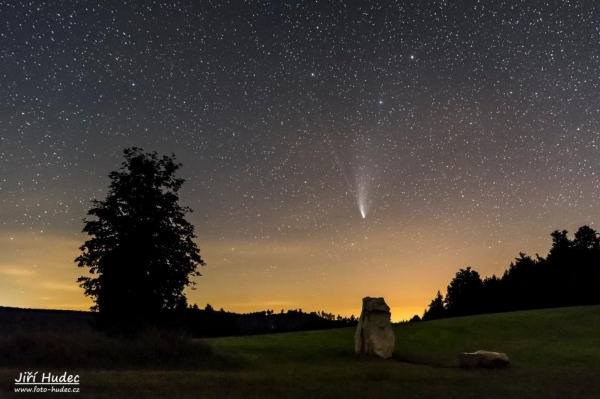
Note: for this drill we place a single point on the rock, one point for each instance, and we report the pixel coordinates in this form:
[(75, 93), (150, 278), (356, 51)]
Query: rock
[(374, 334), (485, 359)]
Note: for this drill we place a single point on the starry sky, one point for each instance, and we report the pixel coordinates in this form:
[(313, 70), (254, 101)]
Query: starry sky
[(331, 149)]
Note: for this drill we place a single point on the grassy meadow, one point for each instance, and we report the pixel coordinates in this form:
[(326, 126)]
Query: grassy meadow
[(554, 353)]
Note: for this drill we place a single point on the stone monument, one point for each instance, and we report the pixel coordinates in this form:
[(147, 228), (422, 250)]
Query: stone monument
[(374, 334)]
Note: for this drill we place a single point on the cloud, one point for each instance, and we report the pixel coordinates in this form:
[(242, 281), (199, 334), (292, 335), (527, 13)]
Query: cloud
[(15, 271), (54, 285)]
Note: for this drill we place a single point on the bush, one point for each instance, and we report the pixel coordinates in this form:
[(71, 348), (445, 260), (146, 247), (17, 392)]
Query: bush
[(150, 350)]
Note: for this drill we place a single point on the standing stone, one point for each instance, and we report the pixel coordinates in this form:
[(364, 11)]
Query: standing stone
[(374, 334)]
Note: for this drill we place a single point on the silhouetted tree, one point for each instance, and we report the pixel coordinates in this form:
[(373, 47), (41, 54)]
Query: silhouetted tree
[(436, 310), (586, 239), (560, 246), (493, 297), (583, 281), (209, 308), (463, 296), (568, 276), (141, 253), (522, 284)]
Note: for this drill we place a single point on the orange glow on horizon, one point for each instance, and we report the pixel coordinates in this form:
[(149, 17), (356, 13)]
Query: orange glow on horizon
[(244, 277)]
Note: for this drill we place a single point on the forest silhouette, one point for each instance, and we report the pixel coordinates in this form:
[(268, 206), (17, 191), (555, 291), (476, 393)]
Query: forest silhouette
[(568, 276)]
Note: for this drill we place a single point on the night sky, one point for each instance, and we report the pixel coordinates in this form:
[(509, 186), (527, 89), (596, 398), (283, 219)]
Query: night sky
[(331, 149)]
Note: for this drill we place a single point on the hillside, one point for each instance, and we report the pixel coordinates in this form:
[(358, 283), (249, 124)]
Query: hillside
[(555, 353), (196, 322), (13, 320)]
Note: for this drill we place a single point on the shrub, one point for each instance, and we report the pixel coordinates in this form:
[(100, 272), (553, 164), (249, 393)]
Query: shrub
[(151, 350)]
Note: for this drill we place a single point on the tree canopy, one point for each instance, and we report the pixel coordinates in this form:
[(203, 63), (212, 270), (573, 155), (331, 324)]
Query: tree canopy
[(463, 293), (568, 276), (141, 253), (436, 308)]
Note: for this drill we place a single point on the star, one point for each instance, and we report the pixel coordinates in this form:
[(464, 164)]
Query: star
[(484, 146)]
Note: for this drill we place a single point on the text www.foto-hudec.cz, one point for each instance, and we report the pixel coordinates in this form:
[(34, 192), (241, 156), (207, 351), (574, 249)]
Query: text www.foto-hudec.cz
[(36, 382)]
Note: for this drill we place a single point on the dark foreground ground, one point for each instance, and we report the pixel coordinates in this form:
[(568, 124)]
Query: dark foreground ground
[(554, 354)]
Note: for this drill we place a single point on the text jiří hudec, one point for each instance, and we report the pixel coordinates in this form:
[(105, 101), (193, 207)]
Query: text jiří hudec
[(48, 378)]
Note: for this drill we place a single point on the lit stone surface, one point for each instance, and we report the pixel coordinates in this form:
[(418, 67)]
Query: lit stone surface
[(374, 334)]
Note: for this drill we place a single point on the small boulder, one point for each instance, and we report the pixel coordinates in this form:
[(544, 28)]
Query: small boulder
[(374, 334), (484, 359)]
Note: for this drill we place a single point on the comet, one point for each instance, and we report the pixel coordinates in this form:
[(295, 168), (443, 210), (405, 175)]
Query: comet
[(357, 177), (363, 211), (362, 186)]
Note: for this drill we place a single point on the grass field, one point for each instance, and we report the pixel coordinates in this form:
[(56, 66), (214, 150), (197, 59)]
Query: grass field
[(554, 354)]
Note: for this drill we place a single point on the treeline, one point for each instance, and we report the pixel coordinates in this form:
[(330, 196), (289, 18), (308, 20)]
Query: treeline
[(209, 322), (191, 321), (568, 276)]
